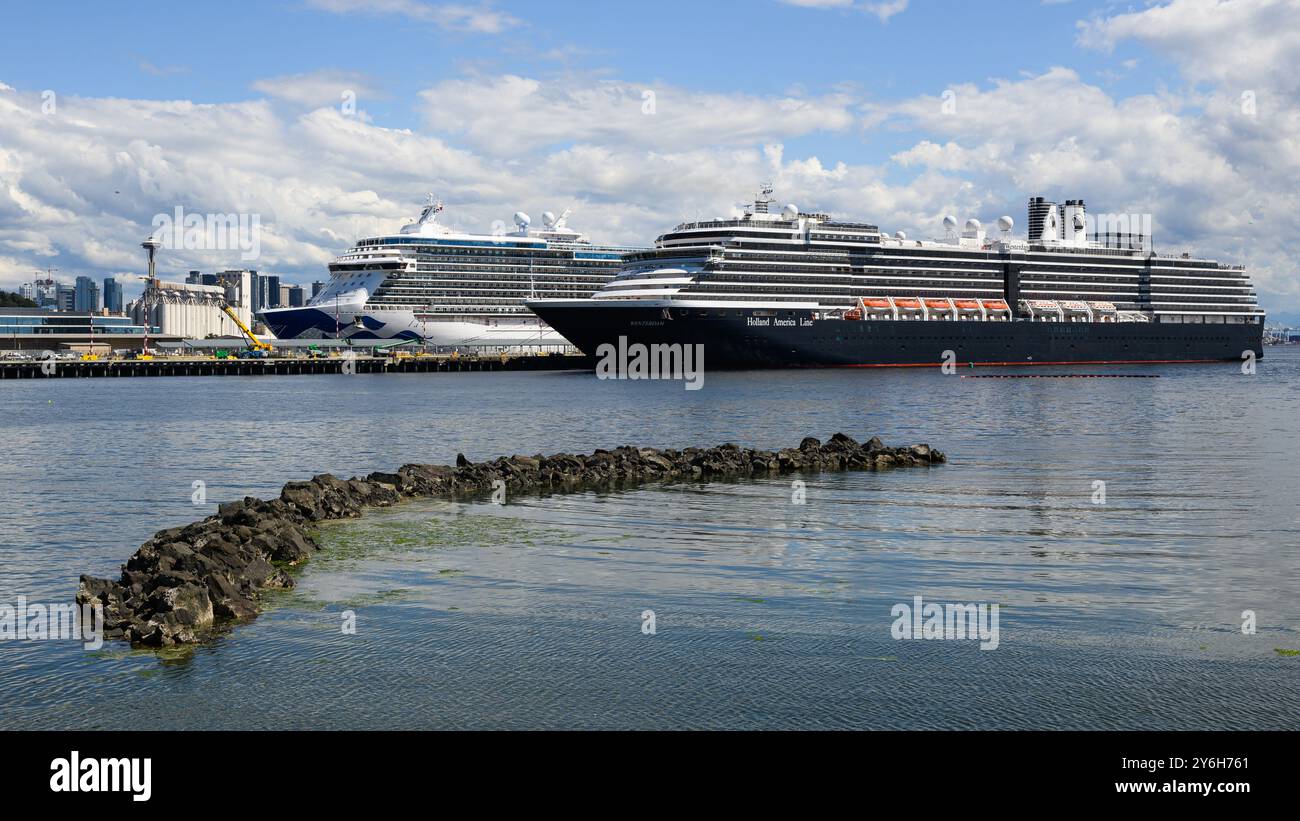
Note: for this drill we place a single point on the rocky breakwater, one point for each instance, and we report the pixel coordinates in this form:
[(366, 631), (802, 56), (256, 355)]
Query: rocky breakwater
[(186, 580)]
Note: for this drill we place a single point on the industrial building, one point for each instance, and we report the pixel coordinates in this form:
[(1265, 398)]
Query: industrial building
[(189, 309)]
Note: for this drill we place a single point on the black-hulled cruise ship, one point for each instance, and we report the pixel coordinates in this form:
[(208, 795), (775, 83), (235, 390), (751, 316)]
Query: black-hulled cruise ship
[(797, 289)]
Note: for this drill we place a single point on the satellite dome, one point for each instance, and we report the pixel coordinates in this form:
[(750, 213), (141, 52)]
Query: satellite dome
[(522, 219), (900, 235), (790, 212), (973, 225), (1006, 224), (548, 218), (950, 223)]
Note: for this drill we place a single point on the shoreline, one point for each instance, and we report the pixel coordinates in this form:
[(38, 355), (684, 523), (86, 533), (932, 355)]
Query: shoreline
[(187, 581)]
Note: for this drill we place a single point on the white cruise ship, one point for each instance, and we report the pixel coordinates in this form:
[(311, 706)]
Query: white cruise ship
[(448, 288)]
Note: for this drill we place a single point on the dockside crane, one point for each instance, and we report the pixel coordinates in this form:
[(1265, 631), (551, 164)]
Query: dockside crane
[(256, 346)]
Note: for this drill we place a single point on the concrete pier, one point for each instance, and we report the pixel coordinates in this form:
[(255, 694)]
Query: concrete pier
[(169, 366)]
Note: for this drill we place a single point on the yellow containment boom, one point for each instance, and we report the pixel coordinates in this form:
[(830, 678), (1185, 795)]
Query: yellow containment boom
[(253, 342)]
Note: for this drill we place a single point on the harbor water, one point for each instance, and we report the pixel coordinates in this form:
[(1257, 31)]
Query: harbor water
[(1140, 538)]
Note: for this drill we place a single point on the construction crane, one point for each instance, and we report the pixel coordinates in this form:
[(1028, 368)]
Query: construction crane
[(257, 346)]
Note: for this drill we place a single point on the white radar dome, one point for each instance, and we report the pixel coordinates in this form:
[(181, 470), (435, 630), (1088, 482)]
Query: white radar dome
[(973, 225), (522, 219), (950, 223), (548, 218), (790, 212), (900, 235), (1005, 224)]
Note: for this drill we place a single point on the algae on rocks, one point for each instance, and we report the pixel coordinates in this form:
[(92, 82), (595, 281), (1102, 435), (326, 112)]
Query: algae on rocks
[(185, 580)]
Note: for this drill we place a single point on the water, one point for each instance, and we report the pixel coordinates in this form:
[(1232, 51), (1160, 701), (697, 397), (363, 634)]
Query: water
[(767, 614)]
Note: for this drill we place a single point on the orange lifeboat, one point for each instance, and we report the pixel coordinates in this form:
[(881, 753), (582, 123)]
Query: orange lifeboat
[(877, 303), (908, 304), (996, 305), (937, 304), (967, 304)]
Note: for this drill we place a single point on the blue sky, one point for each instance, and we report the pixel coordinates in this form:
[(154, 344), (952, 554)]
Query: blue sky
[(502, 105)]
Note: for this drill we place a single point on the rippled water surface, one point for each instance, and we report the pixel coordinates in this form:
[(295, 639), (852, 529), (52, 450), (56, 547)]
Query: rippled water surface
[(767, 613)]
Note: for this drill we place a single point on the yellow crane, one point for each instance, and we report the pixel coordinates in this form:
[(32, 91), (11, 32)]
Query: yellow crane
[(253, 342)]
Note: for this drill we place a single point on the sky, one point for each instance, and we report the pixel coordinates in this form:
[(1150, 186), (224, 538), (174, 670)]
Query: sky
[(332, 119)]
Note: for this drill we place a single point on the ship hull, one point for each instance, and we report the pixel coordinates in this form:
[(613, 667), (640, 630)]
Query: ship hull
[(738, 338), (363, 324)]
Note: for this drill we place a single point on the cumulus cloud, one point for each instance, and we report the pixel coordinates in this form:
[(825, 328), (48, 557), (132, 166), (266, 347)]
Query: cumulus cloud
[(479, 19), (510, 115), (317, 88), (1237, 43)]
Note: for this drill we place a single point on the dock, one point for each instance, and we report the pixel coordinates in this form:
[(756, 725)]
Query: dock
[(200, 366)]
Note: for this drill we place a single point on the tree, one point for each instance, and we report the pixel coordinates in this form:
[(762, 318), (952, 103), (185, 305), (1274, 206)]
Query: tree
[(12, 300)]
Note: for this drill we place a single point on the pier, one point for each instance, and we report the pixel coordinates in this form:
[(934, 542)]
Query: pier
[(201, 366)]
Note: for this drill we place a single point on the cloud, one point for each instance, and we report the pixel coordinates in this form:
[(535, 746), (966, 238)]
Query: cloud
[(479, 19), (882, 9), (326, 87), (1236, 43), (511, 115)]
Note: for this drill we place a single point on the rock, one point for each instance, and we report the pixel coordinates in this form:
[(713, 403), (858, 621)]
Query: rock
[(843, 441), (184, 579)]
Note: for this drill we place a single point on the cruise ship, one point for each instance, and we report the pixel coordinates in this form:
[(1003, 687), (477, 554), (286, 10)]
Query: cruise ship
[(790, 289), (443, 287)]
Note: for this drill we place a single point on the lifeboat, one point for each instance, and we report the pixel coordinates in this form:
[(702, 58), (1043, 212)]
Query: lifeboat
[(995, 305), (938, 305), (967, 304), (853, 314), (881, 304), (908, 304)]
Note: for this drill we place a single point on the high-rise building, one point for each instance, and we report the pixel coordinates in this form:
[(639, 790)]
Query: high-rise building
[(254, 292), (85, 295), (271, 292), (284, 296), (27, 291), (296, 295), (65, 298), (239, 292), (113, 301), (316, 288)]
